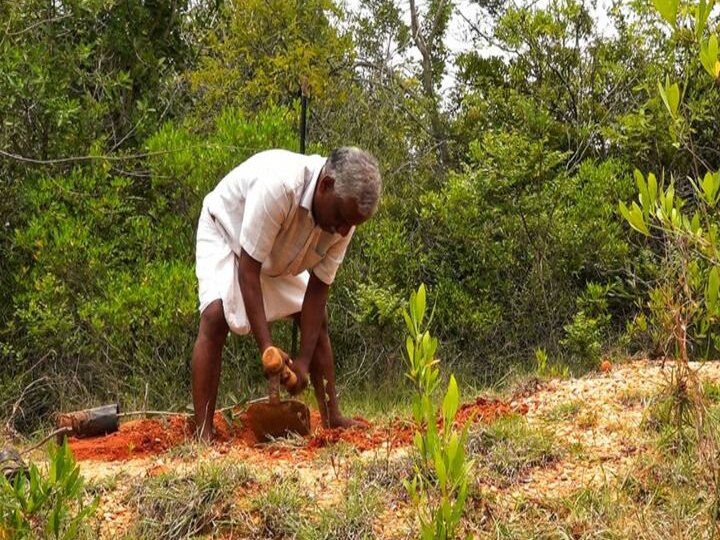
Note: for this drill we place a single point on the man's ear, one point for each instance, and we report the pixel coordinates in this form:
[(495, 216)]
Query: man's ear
[(327, 183)]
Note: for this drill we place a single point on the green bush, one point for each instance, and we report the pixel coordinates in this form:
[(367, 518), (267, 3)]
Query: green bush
[(105, 299), (583, 339), (514, 240)]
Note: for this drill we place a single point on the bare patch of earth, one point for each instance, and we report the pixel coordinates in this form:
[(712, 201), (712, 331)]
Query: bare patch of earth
[(595, 420)]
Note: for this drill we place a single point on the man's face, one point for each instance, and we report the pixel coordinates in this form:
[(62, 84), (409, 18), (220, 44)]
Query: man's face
[(332, 213)]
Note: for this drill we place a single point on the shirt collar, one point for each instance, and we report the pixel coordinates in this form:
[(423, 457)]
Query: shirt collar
[(312, 173)]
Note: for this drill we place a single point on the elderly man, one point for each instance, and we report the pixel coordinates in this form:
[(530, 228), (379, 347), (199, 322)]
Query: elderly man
[(270, 239)]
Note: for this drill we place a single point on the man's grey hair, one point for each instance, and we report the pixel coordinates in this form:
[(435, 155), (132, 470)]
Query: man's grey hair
[(357, 176)]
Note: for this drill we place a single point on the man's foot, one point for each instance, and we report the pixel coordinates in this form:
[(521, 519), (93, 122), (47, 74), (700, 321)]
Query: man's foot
[(346, 422), (205, 435)]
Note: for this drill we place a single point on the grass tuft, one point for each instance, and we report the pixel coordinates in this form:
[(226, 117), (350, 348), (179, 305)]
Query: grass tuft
[(279, 508), (629, 397), (173, 506), (385, 473), (563, 411), (509, 446), (351, 519)]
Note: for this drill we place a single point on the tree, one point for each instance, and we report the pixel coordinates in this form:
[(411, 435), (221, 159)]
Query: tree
[(428, 37), (269, 52), (80, 78)]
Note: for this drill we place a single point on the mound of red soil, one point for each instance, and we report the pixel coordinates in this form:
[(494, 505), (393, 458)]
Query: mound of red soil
[(363, 438), (485, 410), (140, 438)]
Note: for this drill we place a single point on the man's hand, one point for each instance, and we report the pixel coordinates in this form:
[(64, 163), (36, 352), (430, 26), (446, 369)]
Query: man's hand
[(300, 368), (276, 362)]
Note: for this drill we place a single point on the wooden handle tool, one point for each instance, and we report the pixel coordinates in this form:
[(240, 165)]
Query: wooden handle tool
[(274, 365)]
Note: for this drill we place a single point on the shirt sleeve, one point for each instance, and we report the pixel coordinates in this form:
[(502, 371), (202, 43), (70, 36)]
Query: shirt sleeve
[(326, 269), (267, 205)]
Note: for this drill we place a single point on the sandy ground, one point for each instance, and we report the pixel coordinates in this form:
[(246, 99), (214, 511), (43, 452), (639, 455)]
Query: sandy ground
[(594, 419)]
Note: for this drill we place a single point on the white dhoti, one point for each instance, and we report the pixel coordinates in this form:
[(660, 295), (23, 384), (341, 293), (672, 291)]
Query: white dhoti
[(216, 267)]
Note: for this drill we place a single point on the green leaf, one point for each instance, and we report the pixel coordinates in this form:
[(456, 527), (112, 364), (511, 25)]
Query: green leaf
[(634, 217), (696, 227), (670, 200), (711, 292), (451, 401), (709, 56), (710, 185), (675, 218), (460, 502), (702, 11), (642, 188), (427, 408), (623, 209), (410, 347), (670, 95), (408, 322), (668, 9), (652, 188), (419, 443), (421, 297), (440, 468), (453, 446), (417, 411), (413, 313)]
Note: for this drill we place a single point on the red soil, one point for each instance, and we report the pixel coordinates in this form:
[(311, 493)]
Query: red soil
[(140, 438), (485, 410)]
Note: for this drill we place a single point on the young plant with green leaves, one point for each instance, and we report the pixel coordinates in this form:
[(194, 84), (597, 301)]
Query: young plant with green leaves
[(439, 487), (50, 505), (686, 227)]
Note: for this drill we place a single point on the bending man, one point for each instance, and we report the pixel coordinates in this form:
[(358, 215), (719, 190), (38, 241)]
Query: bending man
[(270, 239)]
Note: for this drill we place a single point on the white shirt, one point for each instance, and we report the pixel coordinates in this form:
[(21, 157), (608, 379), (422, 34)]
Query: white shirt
[(264, 207)]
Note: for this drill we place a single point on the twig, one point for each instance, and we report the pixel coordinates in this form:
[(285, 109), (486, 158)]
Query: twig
[(49, 436), (153, 413), (34, 25), (120, 158), (171, 413), (16, 405)]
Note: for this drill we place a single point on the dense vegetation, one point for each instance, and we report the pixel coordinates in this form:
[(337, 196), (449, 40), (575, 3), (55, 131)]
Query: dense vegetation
[(503, 168)]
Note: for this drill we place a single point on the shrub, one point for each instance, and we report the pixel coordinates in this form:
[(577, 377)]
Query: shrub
[(105, 300), (46, 505)]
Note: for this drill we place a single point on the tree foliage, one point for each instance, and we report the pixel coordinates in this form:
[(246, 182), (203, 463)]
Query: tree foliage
[(502, 167)]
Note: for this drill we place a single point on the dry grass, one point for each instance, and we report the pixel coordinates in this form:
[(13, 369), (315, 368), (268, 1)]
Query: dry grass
[(535, 478), (173, 506)]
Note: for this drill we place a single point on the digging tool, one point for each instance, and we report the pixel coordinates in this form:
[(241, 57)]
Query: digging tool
[(270, 417)]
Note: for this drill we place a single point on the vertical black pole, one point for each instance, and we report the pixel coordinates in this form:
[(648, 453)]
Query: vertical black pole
[(303, 120), (303, 129)]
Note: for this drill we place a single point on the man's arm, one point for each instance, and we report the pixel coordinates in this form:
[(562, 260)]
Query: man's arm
[(249, 277), (312, 316)]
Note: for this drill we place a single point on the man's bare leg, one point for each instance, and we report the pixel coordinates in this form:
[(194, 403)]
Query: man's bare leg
[(206, 360), (322, 376)]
